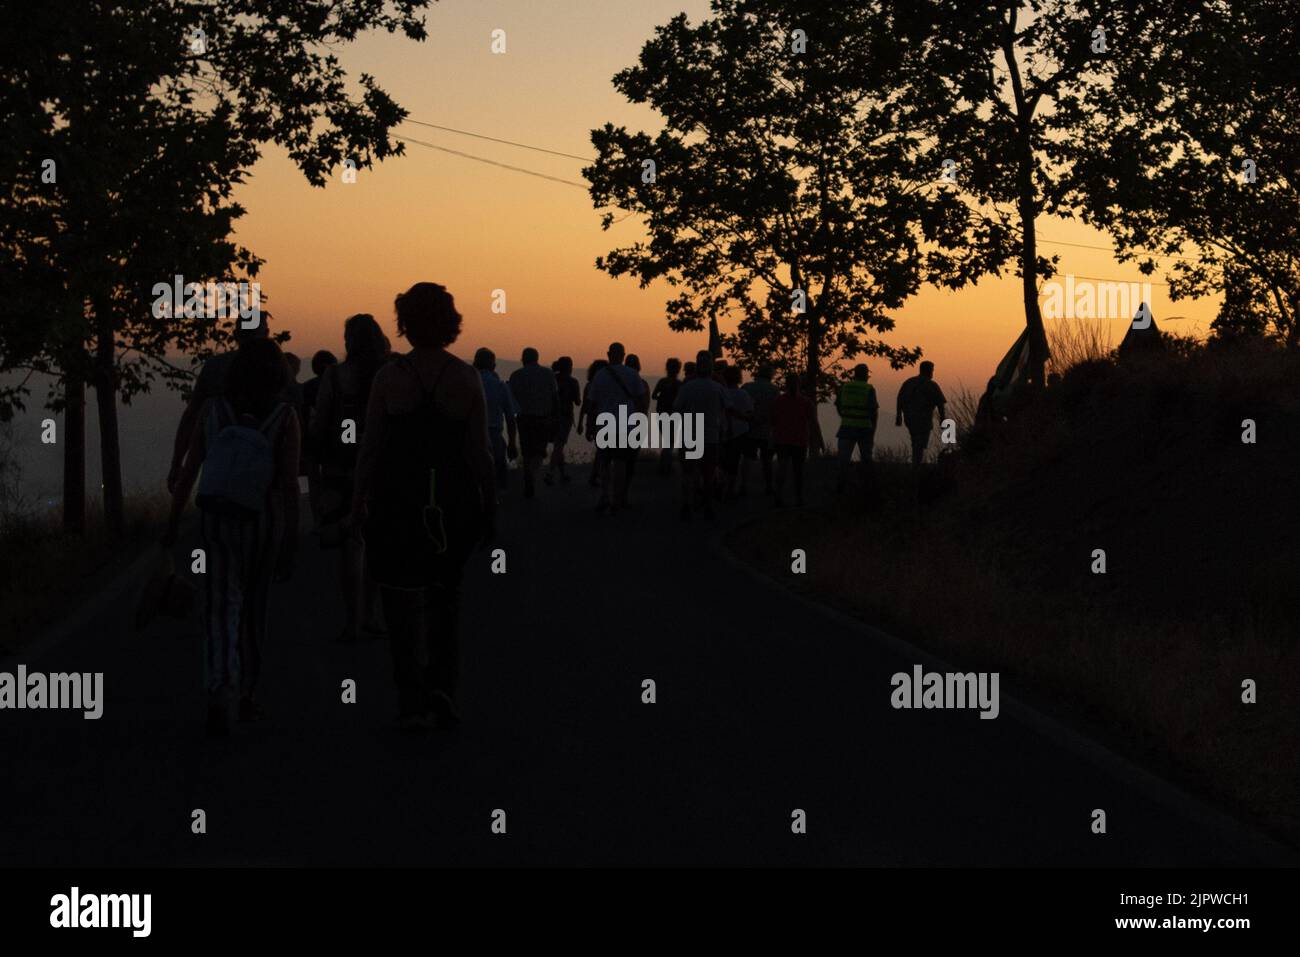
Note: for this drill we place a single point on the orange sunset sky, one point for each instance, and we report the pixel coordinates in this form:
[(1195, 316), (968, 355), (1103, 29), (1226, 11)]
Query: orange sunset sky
[(473, 227)]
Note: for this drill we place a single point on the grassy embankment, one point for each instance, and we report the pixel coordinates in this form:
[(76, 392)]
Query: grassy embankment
[(46, 573), (987, 560)]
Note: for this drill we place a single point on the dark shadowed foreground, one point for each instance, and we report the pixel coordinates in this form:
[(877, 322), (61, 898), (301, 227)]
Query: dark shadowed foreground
[(764, 706)]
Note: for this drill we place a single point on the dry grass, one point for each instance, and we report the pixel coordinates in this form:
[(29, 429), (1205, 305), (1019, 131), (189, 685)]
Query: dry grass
[(988, 562), (44, 571)]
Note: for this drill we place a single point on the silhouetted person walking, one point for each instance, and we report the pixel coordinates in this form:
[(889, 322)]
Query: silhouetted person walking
[(570, 397), (538, 400), (425, 495), (701, 395), (247, 443), (614, 387), (338, 428), (587, 415), (918, 399), (735, 445), (501, 414), (793, 419), (762, 393), (858, 408), (310, 466), (664, 395), (211, 382)]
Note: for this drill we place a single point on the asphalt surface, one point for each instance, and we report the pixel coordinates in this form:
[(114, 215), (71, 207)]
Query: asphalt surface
[(764, 705)]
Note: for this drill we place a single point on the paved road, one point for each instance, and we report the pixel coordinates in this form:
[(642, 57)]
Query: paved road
[(763, 706)]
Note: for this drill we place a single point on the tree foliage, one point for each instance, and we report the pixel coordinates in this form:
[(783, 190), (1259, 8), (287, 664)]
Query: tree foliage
[(152, 113), (1200, 168), (786, 172)]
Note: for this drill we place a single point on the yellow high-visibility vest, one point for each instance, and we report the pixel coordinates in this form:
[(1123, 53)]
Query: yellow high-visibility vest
[(855, 404)]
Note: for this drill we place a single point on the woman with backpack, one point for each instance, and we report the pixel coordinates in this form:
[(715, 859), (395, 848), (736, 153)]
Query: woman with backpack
[(337, 425), (425, 495), (247, 445)]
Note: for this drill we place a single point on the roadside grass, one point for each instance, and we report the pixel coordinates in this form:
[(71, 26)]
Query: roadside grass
[(45, 572), (986, 559)]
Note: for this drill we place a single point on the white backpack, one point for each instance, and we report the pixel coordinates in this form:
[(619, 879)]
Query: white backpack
[(239, 465)]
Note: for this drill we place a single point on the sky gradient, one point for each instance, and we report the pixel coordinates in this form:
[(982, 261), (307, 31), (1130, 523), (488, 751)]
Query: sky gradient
[(475, 228)]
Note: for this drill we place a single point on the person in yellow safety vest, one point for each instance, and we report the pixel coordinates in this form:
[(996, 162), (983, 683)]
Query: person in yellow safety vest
[(858, 408)]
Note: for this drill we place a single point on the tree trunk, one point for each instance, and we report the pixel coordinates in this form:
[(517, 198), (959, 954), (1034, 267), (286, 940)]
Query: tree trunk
[(1026, 203), (813, 368), (110, 452), (1028, 208), (814, 372), (74, 453)]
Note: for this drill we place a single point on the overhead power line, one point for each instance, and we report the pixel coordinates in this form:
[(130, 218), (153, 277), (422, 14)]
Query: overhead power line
[(483, 159), (589, 159), (1121, 282), (493, 139), (1108, 249)]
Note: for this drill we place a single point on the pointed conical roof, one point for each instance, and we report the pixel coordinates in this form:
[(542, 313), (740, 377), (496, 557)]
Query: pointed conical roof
[(1143, 334)]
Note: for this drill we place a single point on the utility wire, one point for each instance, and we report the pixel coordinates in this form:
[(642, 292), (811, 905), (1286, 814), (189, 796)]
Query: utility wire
[(588, 159), (493, 139), (1107, 249), (482, 159), (1122, 282)]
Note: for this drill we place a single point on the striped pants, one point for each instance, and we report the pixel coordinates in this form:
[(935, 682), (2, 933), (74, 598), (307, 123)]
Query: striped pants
[(241, 563)]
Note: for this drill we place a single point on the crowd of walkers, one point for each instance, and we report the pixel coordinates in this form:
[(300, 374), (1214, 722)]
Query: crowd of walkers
[(405, 454)]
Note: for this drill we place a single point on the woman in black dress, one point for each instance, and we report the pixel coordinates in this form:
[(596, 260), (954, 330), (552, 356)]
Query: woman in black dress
[(424, 497)]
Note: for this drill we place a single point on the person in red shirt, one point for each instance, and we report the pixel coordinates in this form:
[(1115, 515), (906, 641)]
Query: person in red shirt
[(792, 418)]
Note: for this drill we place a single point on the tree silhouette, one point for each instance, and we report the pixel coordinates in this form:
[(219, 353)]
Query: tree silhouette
[(784, 188), (151, 112), (1203, 135), (1006, 81)]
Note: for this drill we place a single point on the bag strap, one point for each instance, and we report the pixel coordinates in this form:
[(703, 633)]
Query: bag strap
[(619, 379), (220, 414), (272, 423)]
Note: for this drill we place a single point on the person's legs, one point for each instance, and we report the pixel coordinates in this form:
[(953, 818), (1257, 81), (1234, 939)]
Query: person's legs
[(709, 469), (263, 537), (782, 458), (223, 595), (532, 441), (351, 583), (920, 441), (530, 474), (796, 463), (845, 441), (688, 467), (604, 475), (499, 459), (864, 442), (442, 637), (372, 616), (404, 609), (765, 454), (557, 452)]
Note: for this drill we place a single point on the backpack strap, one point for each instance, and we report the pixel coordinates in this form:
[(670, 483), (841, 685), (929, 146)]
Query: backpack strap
[(272, 423), (619, 379), (220, 414)]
